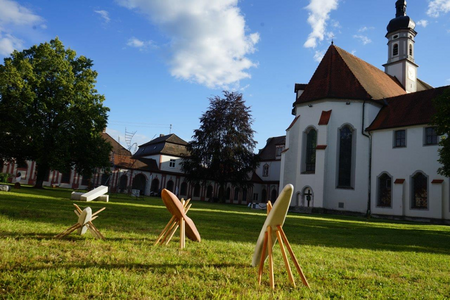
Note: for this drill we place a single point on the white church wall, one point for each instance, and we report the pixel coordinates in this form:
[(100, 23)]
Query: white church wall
[(403, 163), (323, 182), (170, 163)]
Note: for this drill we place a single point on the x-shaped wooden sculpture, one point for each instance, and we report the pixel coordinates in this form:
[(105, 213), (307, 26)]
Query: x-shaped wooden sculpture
[(273, 230), (85, 218), (178, 209)]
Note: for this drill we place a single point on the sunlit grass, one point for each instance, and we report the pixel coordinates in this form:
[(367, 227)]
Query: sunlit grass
[(342, 257)]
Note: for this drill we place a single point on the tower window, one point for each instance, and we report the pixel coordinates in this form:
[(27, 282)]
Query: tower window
[(395, 50), (410, 50)]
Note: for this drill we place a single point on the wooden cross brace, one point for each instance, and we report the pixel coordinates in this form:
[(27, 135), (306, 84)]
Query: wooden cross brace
[(267, 246), (171, 227), (89, 224)]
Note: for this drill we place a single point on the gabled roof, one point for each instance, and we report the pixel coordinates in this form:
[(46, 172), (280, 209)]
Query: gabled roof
[(407, 110), (116, 147), (168, 145), (341, 75), (269, 150)]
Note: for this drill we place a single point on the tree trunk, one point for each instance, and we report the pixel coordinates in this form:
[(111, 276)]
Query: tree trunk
[(42, 171)]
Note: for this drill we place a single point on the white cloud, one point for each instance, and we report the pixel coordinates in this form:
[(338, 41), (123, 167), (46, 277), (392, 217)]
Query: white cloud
[(319, 13), (12, 16), (318, 55), (142, 45), (365, 28), (104, 14), (423, 23), (209, 42), (9, 43), (436, 7), (13, 13), (364, 39)]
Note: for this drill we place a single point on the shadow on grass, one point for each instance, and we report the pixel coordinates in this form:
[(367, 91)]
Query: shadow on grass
[(160, 268), (148, 216)]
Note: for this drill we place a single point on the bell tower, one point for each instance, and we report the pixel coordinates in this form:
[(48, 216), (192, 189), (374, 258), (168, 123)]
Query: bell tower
[(400, 35)]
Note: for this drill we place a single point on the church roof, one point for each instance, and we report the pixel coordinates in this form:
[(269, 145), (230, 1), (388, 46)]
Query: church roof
[(407, 110), (341, 75)]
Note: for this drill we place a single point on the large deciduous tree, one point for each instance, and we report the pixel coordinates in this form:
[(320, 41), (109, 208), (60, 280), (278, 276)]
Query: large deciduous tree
[(50, 111), (222, 148), (442, 121)]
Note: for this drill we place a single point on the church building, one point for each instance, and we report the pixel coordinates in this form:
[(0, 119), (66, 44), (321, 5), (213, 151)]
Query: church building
[(361, 140)]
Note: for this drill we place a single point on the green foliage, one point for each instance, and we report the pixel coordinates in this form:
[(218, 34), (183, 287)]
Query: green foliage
[(4, 177), (442, 122), (50, 111), (222, 148), (342, 257)]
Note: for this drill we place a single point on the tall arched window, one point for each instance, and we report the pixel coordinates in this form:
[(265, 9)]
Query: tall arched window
[(183, 189), (197, 190), (410, 50), (236, 194), (265, 170), (311, 143), (345, 157), (395, 50), (384, 190), (419, 191), (209, 192)]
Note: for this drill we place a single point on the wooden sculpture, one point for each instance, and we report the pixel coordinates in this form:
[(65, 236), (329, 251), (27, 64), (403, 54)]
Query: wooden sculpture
[(178, 209), (272, 231), (85, 218)]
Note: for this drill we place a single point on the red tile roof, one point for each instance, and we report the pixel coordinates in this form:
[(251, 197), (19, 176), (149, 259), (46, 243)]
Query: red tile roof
[(407, 110), (341, 75)]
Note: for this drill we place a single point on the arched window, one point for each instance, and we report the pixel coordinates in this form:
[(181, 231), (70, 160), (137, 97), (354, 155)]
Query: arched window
[(410, 50), (345, 157), (183, 190), (197, 190), (244, 194), (273, 196), (419, 187), (169, 185), (265, 170), (123, 183), (236, 194), (209, 192), (228, 194), (155, 186), (310, 158), (264, 196), (384, 190), (395, 50), (139, 183)]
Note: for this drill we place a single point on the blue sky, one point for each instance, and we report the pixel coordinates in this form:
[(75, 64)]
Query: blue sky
[(160, 61)]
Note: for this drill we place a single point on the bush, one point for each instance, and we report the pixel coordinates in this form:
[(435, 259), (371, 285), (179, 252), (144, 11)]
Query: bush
[(4, 177)]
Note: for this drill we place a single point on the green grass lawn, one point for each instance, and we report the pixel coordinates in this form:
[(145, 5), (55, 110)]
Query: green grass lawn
[(342, 257)]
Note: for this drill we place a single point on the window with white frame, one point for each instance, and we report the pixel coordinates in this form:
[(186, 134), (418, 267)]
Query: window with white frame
[(172, 163), (278, 150)]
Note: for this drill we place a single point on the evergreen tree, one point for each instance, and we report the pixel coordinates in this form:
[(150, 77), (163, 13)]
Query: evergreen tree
[(222, 148), (442, 121), (50, 111)]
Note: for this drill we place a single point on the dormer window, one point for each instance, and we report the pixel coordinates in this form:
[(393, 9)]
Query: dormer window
[(395, 37), (395, 50)]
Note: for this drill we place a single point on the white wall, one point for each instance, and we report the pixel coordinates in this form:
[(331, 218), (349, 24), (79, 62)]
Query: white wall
[(324, 181), (402, 163)]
